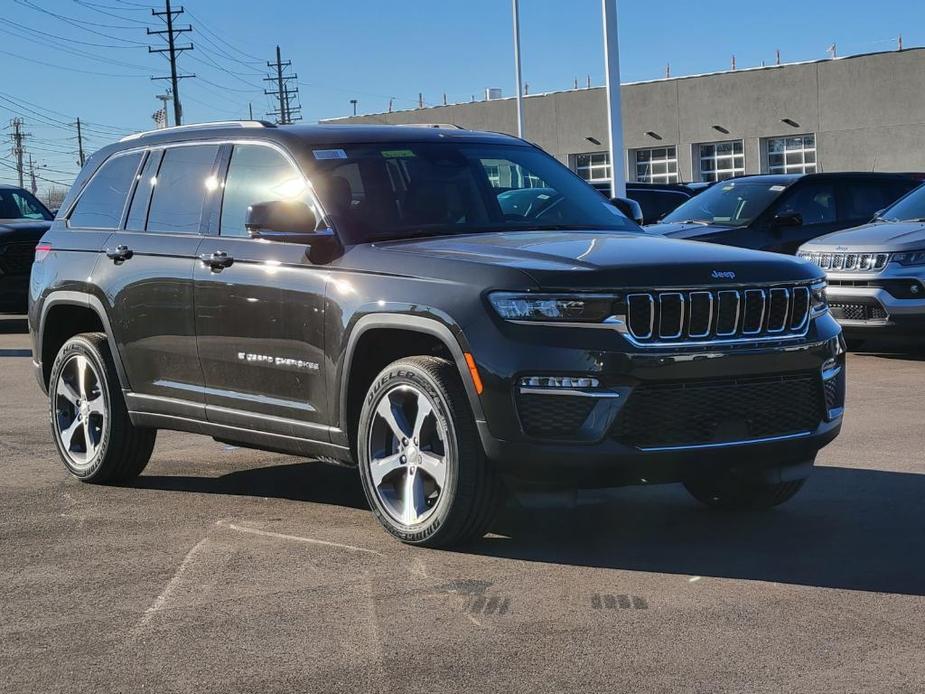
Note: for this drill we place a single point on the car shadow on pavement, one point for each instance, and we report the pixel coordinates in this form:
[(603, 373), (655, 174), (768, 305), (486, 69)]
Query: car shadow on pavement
[(303, 481), (848, 528)]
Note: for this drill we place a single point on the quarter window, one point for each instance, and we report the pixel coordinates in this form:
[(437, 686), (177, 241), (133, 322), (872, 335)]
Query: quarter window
[(721, 160), (182, 183), (256, 174), (796, 154), (101, 205), (656, 165)]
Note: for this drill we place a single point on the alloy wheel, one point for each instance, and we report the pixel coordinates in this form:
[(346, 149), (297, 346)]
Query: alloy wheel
[(80, 411), (407, 455)]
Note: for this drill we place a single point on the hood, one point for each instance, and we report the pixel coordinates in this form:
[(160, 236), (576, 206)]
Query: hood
[(874, 237), (600, 259), (681, 230), (22, 230)]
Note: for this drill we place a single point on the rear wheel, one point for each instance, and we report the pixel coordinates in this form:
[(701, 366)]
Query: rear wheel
[(729, 492), (422, 465), (89, 421)]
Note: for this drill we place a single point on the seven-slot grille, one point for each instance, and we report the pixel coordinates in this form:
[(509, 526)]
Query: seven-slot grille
[(848, 262), (717, 314)]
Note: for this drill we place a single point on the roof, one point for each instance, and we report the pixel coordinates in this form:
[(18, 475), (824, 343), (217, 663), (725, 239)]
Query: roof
[(314, 134)]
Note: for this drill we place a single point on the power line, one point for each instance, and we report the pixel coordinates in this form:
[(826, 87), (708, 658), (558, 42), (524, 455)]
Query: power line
[(172, 50)]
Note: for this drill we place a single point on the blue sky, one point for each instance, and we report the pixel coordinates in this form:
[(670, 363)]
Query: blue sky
[(91, 60)]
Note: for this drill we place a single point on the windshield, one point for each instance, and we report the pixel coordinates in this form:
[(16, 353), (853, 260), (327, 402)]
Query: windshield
[(910, 207), (730, 203), (401, 190), (16, 203)]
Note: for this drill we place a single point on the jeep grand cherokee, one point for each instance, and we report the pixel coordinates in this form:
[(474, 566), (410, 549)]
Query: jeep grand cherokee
[(359, 294)]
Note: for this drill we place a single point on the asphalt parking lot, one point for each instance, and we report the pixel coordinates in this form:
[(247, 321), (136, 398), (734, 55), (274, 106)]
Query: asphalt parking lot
[(226, 570)]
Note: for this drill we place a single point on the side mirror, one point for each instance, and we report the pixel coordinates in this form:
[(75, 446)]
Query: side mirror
[(280, 220), (787, 219), (628, 207), (877, 215)]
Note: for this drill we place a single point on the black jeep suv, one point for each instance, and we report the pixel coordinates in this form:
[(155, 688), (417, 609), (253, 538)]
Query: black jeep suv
[(373, 296)]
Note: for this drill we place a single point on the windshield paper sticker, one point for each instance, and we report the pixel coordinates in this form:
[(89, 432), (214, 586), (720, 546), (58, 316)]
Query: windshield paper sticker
[(397, 153), (329, 154)]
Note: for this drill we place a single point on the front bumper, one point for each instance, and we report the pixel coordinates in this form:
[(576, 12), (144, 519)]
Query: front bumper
[(592, 455), (879, 303)]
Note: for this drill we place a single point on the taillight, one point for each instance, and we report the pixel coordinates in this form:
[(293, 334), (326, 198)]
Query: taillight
[(42, 251)]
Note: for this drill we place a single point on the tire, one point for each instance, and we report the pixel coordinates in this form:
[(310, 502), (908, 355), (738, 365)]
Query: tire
[(94, 407), (455, 499), (730, 493)]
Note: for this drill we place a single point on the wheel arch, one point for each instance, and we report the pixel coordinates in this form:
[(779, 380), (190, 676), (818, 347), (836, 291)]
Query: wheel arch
[(72, 313), (435, 332)]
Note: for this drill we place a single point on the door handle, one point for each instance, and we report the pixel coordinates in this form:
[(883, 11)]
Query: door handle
[(119, 254), (218, 260)]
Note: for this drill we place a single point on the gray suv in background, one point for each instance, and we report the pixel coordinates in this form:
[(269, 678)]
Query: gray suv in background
[(876, 272)]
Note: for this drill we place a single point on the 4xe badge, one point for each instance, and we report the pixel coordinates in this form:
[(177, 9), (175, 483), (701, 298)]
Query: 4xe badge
[(723, 275)]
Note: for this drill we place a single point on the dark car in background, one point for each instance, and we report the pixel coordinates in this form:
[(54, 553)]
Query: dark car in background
[(876, 272), (781, 212), (23, 220), (655, 199)]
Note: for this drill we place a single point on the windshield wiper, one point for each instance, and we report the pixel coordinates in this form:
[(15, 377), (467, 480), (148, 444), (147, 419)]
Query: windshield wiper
[(702, 222)]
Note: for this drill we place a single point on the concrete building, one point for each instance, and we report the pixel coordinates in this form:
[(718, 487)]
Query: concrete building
[(864, 112)]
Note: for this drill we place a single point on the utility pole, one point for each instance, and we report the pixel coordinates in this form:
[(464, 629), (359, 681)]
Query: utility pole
[(17, 136), (35, 186), (614, 114), (354, 103), (80, 145), (172, 51), (287, 113), (250, 110)]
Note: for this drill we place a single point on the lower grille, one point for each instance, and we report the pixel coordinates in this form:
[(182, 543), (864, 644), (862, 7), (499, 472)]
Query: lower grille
[(553, 416), (16, 258), (848, 311), (830, 387), (704, 412)]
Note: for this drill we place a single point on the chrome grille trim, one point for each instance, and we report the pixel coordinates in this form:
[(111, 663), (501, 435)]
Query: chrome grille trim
[(719, 312), (848, 262), (630, 299), (784, 295), (690, 314), (674, 334), (750, 296), (733, 316)]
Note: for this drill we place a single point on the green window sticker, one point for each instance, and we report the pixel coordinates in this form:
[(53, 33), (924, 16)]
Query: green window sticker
[(397, 153)]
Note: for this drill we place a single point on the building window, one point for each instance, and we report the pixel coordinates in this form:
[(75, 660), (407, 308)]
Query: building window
[(720, 160), (594, 167), (657, 165), (795, 154)]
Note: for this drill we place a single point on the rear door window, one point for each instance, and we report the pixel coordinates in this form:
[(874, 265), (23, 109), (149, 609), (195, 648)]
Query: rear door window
[(138, 211), (861, 199), (102, 202), (180, 188)]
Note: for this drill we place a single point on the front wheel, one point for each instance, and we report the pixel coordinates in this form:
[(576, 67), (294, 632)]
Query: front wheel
[(421, 462), (729, 492)]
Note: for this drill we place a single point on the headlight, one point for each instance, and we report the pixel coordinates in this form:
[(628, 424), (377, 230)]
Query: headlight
[(818, 302), (568, 308), (910, 258)]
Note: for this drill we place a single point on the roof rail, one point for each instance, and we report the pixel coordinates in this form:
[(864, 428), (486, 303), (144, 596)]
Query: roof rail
[(450, 126), (203, 126)]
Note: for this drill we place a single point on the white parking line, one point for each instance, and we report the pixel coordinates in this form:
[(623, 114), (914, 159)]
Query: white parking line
[(296, 538), (161, 599)]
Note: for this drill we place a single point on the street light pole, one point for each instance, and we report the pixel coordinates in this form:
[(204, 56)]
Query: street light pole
[(614, 115), (517, 77)]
